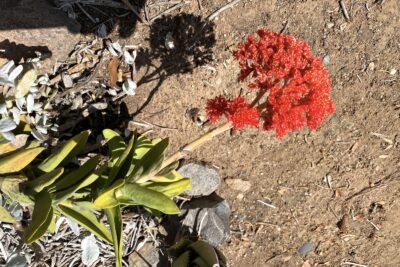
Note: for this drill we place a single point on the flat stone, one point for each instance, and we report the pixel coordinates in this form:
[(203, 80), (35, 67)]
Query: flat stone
[(204, 180), (147, 256), (29, 26), (238, 184), (208, 217)]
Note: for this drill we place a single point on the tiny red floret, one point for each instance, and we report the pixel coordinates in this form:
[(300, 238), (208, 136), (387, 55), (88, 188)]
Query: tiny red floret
[(237, 111)]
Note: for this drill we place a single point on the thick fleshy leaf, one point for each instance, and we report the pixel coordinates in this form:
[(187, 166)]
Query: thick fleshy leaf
[(69, 150), (108, 199), (182, 260), (114, 218), (170, 189), (18, 160), (115, 143), (121, 167), (5, 216), (206, 252), (90, 251), (44, 180), (11, 187), (149, 162), (75, 177), (42, 217), (20, 141), (25, 82), (86, 219), (52, 226), (170, 177), (62, 195), (134, 194), (7, 124), (30, 101)]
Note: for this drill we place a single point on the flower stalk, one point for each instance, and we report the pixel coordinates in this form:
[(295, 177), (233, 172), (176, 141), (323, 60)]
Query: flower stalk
[(192, 146)]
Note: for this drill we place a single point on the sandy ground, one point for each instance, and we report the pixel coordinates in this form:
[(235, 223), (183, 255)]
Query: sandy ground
[(353, 218)]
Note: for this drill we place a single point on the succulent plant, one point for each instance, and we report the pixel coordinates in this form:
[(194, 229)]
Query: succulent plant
[(23, 104)]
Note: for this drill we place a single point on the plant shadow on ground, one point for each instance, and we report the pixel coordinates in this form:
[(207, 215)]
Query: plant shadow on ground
[(193, 39), (180, 43), (85, 16)]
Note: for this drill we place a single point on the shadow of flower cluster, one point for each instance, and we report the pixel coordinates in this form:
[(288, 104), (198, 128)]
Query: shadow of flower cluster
[(182, 42)]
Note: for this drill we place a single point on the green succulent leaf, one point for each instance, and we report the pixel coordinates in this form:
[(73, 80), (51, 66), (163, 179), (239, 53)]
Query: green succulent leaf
[(76, 176), (67, 152), (206, 252), (134, 194), (16, 161), (11, 186), (182, 260), (115, 143), (122, 165), (114, 218), (44, 180), (107, 199), (86, 219), (62, 195), (52, 226), (5, 216), (170, 177), (200, 262), (42, 217), (149, 162), (170, 189)]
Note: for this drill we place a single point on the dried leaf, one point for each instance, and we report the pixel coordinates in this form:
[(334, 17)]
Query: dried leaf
[(129, 87), (113, 71), (25, 82), (18, 160), (90, 250), (7, 124)]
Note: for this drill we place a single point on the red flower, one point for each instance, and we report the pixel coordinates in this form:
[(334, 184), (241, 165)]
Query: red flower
[(237, 111), (304, 100), (295, 82), (271, 58)]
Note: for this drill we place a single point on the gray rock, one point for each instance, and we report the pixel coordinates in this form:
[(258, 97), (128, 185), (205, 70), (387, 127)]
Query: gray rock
[(147, 256), (204, 179), (209, 218)]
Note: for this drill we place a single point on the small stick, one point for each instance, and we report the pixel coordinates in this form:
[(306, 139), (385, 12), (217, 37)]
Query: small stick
[(266, 204), (353, 264), (374, 225), (3, 251), (86, 13), (133, 9), (344, 9), (222, 9), (200, 5), (285, 27), (167, 11)]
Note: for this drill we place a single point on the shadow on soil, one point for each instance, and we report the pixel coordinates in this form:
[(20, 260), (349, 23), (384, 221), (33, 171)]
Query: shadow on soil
[(85, 16), (180, 43)]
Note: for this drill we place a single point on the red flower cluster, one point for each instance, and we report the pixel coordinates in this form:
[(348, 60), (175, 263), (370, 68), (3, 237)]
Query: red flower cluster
[(295, 81), (237, 111)]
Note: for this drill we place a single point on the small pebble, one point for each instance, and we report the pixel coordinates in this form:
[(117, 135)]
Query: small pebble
[(392, 71), (305, 248), (330, 25), (326, 60)]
